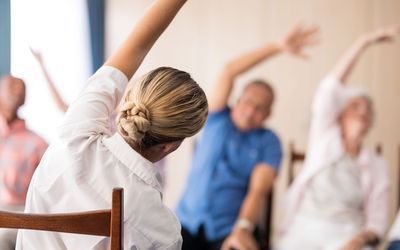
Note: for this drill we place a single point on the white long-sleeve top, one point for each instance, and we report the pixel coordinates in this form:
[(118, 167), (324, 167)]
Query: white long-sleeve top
[(326, 147), (80, 169)]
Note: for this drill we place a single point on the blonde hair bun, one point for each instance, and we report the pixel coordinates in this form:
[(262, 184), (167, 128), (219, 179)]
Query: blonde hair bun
[(165, 105), (134, 119)]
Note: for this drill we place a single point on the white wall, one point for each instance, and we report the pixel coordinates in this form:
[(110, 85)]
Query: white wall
[(59, 31), (207, 33)]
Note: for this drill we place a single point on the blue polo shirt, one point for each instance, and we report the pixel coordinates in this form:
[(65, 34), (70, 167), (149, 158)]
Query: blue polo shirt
[(223, 161)]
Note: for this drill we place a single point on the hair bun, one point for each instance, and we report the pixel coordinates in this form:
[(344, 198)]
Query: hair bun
[(134, 120)]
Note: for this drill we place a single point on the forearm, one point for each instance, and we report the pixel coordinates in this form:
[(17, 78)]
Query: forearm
[(348, 61), (261, 182), (247, 61), (253, 207), (243, 63), (54, 92), (132, 52)]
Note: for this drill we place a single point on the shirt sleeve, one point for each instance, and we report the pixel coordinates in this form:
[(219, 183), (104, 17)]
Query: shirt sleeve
[(91, 112), (272, 152), (217, 115), (326, 105)]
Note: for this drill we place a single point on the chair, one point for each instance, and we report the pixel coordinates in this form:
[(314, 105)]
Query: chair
[(108, 222), (294, 157), (266, 230)]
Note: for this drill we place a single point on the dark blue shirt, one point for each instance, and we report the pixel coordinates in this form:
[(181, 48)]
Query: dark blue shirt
[(394, 245), (222, 164)]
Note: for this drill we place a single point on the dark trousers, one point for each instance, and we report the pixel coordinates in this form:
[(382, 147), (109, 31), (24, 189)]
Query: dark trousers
[(394, 245), (199, 241)]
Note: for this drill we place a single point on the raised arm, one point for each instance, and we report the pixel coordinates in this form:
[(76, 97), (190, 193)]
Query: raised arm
[(61, 105), (326, 108), (92, 111), (294, 43), (132, 52), (345, 65)]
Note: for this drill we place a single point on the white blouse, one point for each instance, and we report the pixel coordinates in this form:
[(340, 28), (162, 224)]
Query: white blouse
[(80, 169), (325, 148), (331, 210)]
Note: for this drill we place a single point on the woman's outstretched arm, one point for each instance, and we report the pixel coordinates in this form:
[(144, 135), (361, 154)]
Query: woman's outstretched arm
[(346, 63), (326, 104), (91, 112), (132, 52)]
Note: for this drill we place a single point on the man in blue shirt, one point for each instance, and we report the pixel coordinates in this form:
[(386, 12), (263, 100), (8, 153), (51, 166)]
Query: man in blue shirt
[(236, 160)]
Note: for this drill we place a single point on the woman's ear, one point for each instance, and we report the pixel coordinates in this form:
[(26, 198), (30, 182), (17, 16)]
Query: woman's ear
[(170, 147)]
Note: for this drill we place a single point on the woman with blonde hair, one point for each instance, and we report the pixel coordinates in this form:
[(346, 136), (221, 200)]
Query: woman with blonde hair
[(340, 199), (80, 169)]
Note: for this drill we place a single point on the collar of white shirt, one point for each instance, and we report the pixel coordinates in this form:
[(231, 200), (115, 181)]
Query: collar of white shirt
[(140, 166)]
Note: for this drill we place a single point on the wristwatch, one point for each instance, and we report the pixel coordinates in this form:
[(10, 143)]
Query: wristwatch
[(245, 224)]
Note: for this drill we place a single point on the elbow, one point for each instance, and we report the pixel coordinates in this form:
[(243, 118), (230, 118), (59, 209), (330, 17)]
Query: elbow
[(228, 71)]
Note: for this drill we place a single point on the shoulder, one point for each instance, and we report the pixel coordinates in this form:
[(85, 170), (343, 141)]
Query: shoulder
[(376, 165), (218, 120), (219, 114), (374, 160), (108, 73), (269, 136)]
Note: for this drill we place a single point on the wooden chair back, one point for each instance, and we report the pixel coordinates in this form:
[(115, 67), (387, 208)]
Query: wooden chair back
[(266, 230), (294, 157), (108, 222)]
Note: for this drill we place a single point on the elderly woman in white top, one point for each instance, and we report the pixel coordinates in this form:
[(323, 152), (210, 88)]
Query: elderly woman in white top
[(80, 169), (394, 235), (340, 198)]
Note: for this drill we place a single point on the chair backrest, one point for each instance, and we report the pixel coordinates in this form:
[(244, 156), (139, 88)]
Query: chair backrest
[(299, 156), (266, 230), (294, 157), (108, 222)]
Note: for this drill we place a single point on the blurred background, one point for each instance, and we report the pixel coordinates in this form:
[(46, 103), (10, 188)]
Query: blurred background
[(74, 37)]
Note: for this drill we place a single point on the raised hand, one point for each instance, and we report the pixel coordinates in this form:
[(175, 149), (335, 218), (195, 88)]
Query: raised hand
[(385, 34), (298, 39), (37, 55)]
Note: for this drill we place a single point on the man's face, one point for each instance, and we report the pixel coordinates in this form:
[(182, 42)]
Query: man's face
[(252, 108), (12, 93)]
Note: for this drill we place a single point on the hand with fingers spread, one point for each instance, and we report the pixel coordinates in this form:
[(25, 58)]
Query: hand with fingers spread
[(240, 239), (298, 39)]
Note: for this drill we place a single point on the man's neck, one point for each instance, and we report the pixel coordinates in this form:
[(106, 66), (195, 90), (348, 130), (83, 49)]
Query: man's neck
[(10, 117)]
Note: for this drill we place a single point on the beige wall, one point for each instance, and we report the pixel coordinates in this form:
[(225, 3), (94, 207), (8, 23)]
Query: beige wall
[(207, 33)]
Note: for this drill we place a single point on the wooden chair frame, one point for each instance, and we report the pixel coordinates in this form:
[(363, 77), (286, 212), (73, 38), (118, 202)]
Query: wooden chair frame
[(108, 222)]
